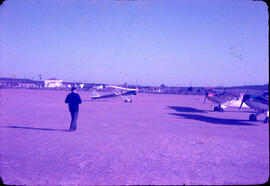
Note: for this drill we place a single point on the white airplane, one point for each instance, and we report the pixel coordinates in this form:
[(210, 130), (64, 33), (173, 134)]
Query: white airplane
[(223, 99), (259, 103), (117, 91)]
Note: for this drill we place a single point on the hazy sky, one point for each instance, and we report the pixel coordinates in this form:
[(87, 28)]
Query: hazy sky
[(154, 42)]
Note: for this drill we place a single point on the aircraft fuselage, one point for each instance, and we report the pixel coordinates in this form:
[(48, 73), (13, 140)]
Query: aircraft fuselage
[(257, 105), (128, 93), (218, 99)]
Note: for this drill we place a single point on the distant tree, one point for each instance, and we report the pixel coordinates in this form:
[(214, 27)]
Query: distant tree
[(162, 85)]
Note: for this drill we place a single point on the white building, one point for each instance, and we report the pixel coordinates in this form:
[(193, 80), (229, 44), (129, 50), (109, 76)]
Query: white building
[(53, 83), (99, 87), (82, 85)]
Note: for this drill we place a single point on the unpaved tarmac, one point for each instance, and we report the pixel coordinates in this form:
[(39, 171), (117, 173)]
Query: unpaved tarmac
[(157, 139)]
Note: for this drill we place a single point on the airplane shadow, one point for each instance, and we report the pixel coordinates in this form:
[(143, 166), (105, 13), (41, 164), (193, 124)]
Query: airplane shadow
[(186, 109), (212, 119), (87, 100), (97, 100), (190, 109), (34, 128)]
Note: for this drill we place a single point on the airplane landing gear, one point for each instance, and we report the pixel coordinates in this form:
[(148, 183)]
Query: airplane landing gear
[(266, 120), (218, 109), (128, 100), (252, 117)]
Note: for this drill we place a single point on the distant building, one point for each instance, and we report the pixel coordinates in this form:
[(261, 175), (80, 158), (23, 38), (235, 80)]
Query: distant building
[(53, 83), (20, 83), (81, 85), (99, 87)]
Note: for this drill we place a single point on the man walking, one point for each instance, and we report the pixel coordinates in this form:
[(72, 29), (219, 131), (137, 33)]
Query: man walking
[(73, 99)]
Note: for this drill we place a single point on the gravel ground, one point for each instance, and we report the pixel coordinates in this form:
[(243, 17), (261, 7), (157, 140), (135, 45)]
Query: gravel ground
[(157, 139)]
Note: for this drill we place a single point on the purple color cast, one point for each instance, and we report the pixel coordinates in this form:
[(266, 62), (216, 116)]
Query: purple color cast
[(158, 139)]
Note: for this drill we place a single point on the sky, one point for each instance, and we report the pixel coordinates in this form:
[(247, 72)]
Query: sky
[(150, 42)]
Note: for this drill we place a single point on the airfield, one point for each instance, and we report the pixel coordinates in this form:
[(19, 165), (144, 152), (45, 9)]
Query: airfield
[(158, 139)]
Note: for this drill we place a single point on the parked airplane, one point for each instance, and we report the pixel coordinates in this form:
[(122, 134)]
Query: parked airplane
[(223, 99), (117, 91), (259, 103)]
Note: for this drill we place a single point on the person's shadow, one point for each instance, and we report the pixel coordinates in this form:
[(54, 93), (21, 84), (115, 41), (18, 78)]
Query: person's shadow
[(35, 128), (2, 183)]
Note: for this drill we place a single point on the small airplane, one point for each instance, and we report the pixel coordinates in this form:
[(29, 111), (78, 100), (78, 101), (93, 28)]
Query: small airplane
[(223, 99), (259, 103), (117, 91)]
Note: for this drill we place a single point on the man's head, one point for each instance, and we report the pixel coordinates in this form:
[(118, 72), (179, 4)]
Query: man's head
[(73, 89)]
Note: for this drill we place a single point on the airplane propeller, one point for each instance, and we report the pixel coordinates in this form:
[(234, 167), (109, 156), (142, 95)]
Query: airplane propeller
[(206, 95), (241, 104), (243, 100)]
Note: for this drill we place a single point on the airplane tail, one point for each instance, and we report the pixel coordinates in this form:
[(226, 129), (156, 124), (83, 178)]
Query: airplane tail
[(94, 94)]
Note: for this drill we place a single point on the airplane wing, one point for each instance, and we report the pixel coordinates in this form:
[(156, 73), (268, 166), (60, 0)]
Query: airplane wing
[(121, 88), (124, 93)]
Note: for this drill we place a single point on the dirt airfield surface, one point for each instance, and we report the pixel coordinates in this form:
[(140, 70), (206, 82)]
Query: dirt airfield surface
[(157, 139)]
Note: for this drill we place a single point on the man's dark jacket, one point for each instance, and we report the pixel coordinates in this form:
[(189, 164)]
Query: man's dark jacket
[(73, 99)]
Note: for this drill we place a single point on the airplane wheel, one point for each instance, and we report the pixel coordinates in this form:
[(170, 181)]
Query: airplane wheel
[(126, 101), (215, 109), (252, 117), (221, 109), (266, 120), (130, 101)]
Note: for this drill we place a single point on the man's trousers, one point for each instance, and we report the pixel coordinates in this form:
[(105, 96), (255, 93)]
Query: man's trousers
[(74, 116)]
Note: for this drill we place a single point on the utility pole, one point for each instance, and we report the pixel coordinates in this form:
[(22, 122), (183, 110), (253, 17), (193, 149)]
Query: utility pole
[(40, 77)]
